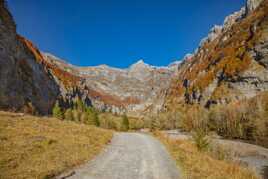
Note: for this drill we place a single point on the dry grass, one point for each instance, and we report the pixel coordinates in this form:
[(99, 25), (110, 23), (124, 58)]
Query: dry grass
[(111, 121), (34, 147), (199, 165)]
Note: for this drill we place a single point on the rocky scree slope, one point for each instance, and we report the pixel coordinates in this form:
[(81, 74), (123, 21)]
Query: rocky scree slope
[(231, 63), (25, 84)]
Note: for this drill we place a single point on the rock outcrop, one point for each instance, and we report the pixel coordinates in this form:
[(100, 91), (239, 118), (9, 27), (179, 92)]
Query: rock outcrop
[(252, 5), (25, 84), (135, 90), (230, 64)]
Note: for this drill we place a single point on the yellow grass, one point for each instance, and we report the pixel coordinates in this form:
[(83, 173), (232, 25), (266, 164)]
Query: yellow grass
[(111, 121), (35, 147), (199, 165)]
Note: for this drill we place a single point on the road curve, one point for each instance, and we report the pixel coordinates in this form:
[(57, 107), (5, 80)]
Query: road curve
[(130, 156)]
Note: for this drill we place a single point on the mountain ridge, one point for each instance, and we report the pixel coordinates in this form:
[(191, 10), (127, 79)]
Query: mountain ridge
[(225, 67), (134, 88)]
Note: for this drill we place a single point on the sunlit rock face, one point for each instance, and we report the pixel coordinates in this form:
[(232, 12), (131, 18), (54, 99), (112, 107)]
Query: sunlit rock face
[(136, 90), (252, 5), (231, 64), (25, 85)]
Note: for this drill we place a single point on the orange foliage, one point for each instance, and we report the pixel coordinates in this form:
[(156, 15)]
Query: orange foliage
[(66, 78), (229, 57), (112, 100)]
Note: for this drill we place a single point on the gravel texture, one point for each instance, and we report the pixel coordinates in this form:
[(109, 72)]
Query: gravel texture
[(130, 156)]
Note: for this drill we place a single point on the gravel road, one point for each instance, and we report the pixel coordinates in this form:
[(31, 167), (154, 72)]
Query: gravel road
[(130, 156)]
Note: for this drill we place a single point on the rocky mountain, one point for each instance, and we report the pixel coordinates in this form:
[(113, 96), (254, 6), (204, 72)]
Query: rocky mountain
[(229, 65), (25, 84), (138, 89), (33, 81)]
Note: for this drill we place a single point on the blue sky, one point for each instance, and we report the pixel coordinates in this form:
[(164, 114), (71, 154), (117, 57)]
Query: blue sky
[(119, 32)]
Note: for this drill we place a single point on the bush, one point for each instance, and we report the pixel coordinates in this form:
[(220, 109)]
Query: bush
[(194, 117), (125, 123), (68, 115), (56, 111), (155, 124), (92, 117), (79, 105), (201, 140), (135, 124), (246, 119), (77, 115)]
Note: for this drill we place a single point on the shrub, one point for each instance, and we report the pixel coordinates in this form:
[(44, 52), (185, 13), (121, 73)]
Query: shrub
[(109, 121), (125, 123), (92, 117), (155, 124), (96, 119), (80, 106), (83, 117), (246, 119), (77, 115), (165, 120), (194, 117), (201, 140), (68, 115), (56, 111), (136, 124)]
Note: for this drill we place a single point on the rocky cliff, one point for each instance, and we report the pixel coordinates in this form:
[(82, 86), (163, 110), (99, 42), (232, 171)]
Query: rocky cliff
[(136, 90), (229, 65), (25, 84), (31, 79)]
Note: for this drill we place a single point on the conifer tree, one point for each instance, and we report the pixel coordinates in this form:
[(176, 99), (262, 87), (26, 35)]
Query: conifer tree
[(125, 123), (56, 111)]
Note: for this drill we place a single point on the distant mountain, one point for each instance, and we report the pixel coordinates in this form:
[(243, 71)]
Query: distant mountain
[(138, 89)]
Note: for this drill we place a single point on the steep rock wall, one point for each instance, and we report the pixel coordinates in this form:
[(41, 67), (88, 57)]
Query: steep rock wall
[(25, 84)]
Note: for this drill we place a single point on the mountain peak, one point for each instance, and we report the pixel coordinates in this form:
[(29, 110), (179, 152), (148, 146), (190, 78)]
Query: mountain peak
[(139, 64), (140, 61)]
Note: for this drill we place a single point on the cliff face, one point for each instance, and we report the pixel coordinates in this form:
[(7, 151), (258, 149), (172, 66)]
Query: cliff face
[(136, 90), (25, 84), (252, 5), (229, 65)]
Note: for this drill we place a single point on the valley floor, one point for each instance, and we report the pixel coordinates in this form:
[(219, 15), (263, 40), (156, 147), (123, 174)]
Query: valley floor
[(41, 147)]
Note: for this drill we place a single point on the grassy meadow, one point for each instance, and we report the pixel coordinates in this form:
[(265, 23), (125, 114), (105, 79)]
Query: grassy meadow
[(42, 147)]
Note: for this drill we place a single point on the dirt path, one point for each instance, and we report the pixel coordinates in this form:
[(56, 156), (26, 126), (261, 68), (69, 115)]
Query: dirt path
[(130, 156)]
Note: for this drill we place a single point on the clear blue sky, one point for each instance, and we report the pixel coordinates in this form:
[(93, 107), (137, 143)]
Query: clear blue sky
[(119, 32)]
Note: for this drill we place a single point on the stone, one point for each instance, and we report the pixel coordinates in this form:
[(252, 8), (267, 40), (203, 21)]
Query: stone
[(252, 5), (24, 82)]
